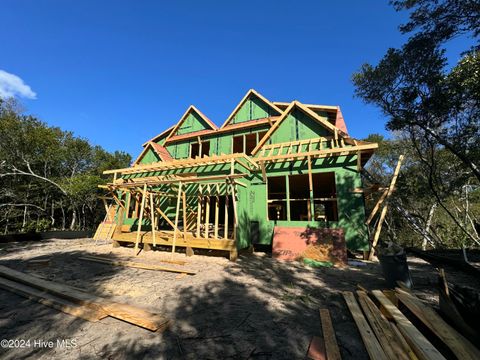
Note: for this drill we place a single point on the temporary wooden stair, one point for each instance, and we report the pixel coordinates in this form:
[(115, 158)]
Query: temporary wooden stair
[(107, 226)]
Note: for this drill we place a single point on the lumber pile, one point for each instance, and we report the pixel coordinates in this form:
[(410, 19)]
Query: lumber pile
[(388, 333), (75, 302), (325, 347)]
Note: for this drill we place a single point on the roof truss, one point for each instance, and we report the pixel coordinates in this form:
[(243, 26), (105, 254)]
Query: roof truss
[(191, 109)]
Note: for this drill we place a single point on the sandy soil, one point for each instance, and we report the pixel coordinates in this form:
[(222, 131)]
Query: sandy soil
[(256, 308)]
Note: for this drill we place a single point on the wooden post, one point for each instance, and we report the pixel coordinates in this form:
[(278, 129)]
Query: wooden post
[(287, 188), (152, 219), (311, 214), (207, 212), (384, 210), (217, 209), (226, 212), (176, 217), (140, 219), (359, 161), (233, 253), (184, 210), (199, 210)]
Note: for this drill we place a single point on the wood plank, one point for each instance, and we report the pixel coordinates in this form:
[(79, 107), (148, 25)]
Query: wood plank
[(460, 346), (375, 322), (376, 207), (378, 230), (331, 346), (420, 345), (199, 210), (401, 339), (128, 313), (54, 302), (135, 265), (372, 345)]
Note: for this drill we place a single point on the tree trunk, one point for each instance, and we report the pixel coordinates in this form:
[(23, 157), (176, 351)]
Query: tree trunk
[(429, 224), (74, 219), (63, 216), (24, 223), (52, 216)]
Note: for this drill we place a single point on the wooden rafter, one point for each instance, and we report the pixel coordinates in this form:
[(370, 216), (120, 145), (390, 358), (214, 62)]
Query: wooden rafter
[(244, 99)]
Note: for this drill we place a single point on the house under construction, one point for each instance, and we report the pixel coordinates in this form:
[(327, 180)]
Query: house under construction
[(270, 165)]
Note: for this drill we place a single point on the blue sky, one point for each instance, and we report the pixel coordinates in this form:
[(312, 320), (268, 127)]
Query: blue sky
[(120, 72)]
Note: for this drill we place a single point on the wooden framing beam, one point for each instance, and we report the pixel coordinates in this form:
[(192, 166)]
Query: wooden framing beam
[(175, 231), (378, 230), (152, 218), (217, 210), (140, 219), (207, 213), (225, 236), (199, 210)]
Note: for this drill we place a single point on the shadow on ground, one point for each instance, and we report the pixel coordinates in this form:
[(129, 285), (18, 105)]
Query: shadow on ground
[(256, 308)]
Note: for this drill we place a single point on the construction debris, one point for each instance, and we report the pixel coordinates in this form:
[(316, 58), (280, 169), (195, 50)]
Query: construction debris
[(135, 265), (61, 292), (388, 334)]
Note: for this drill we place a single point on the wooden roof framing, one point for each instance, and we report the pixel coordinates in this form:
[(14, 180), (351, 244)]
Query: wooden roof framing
[(162, 153), (296, 104), (190, 109), (241, 159), (163, 133), (244, 99)]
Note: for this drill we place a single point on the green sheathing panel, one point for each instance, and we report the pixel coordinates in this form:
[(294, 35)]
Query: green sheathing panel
[(180, 150), (222, 143), (253, 108), (252, 204), (149, 157), (351, 209), (298, 126), (162, 139), (192, 123)]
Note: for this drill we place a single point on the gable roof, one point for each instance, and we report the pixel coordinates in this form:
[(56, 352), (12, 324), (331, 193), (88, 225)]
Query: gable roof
[(191, 109), (163, 133), (244, 99), (159, 150), (296, 104), (334, 113)]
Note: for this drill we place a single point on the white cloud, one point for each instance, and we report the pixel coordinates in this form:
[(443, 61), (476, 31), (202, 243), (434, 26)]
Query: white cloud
[(11, 85)]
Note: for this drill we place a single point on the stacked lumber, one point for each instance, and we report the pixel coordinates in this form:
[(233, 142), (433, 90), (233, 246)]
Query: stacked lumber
[(75, 302), (389, 334)]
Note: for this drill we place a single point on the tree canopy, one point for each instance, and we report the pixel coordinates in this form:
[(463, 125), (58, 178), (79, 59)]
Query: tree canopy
[(432, 108), (48, 177)]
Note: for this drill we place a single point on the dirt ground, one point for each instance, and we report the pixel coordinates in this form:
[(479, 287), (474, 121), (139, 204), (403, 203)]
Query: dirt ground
[(256, 308)]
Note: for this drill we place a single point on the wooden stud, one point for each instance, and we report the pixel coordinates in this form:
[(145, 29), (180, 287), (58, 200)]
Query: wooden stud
[(311, 213), (175, 231), (217, 209), (207, 212), (225, 234), (199, 210), (377, 206), (139, 227), (384, 210), (152, 219)]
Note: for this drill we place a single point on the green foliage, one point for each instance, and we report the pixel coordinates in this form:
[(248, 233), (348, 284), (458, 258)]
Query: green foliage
[(48, 177), (433, 110)]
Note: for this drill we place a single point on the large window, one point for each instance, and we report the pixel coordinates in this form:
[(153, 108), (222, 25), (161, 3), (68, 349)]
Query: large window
[(296, 202)]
